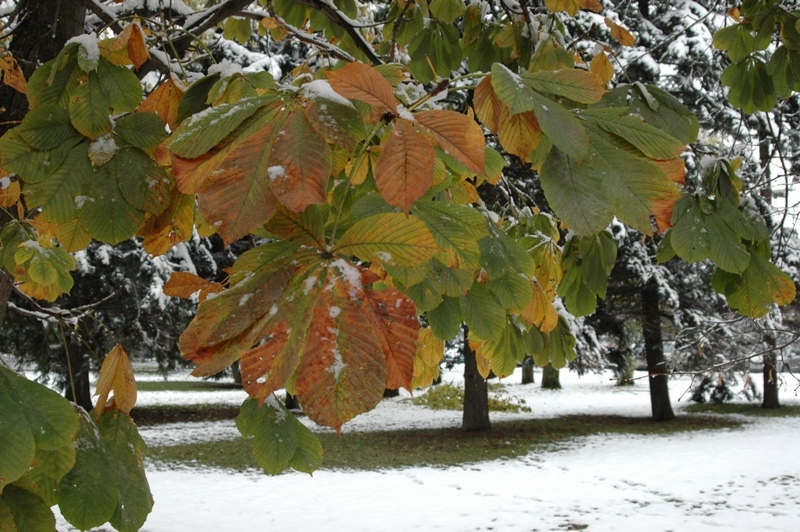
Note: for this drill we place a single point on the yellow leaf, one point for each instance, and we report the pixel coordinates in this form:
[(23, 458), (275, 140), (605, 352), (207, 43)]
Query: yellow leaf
[(519, 134), (116, 374), (488, 106), (734, 14), (570, 6), (270, 23), (73, 236), (484, 362), (161, 232), (430, 350), (9, 191), (540, 311), (12, 73), (619, 33), (602, 67)]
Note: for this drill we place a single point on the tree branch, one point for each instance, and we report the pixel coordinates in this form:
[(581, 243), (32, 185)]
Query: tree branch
[(346, 23)]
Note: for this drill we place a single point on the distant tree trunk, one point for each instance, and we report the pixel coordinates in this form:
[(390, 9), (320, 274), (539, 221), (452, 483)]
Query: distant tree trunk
[(654, 349), (644, 8), (236, 372), (527, 370), (292, 402), (391, 393), (476, 392), (78, 389), (770, 377), (550, 378)]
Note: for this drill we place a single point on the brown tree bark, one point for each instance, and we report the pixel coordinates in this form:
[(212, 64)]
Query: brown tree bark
[(527, 370), (550, 379), (476, 392), (654, 349), (770, 399)]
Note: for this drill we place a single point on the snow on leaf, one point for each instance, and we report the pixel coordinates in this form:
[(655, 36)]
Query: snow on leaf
[(404, 171), (116, 374)]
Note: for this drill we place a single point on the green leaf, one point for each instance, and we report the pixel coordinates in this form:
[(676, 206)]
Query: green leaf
[(29, 511), (279, 440), (144, 184), (453, 282), (500, 254), (447, 10), (104, 212), (512, 90), (756, 289), (439, 43), (533, 341), (56, 194), (143, 130), (41, 420), (445, 319), (670, 116), (205, 129), (598, 255), (194, 99), (46, 127), (652, 142), (665, 251), (579, 299), (426, 295), (576, 192), (483, 313), (751, 86), (392, 238), (513, 290), (53, 82), (89, 108), (44, 476), (455, 228), (736, 40), (577, 85), (31, 165), (560, 345), (120, 86), (86, 497)]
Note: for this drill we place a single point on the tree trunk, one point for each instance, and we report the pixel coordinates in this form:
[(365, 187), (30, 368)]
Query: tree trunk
[(770, 382), (550, 378), (78, 389), (476, 392), (391, 392), (654, 349), (527, 370), (644, 8)]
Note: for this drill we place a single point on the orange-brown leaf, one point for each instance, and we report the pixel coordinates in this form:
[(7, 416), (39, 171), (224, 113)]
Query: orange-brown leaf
[(394, 319), (237, 199), (162, 232), (267, 367), (591, 5), (343, 371), (405, 168), (12, 73), (457, 134), (116, 374), (361, 82), (299, 164), (488, 106), (137, 46), (164, 101), (619, 33), (185, 285), (674, 168)]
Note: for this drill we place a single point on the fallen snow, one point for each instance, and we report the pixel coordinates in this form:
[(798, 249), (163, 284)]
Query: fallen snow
[(736, 479)]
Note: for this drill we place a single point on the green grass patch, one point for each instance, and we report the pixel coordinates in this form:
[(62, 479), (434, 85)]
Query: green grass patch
[(450, 397), (747, 409), (440, 447), (185, 386), (159, 414)]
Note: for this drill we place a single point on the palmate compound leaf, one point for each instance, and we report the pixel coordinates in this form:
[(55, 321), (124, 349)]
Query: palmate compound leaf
[(43, 272), (33, 418), (320, 320), (274, 156), (279, 440), (456, 229)]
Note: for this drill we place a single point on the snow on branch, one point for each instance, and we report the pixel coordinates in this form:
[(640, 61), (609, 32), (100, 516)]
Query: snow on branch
[(327, 8), (308, 38)]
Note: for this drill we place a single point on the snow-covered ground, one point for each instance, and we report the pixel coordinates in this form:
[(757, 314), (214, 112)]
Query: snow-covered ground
[(738, 479)]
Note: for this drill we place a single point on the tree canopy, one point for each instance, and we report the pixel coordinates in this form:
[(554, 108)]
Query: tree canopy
[(356, 172)]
